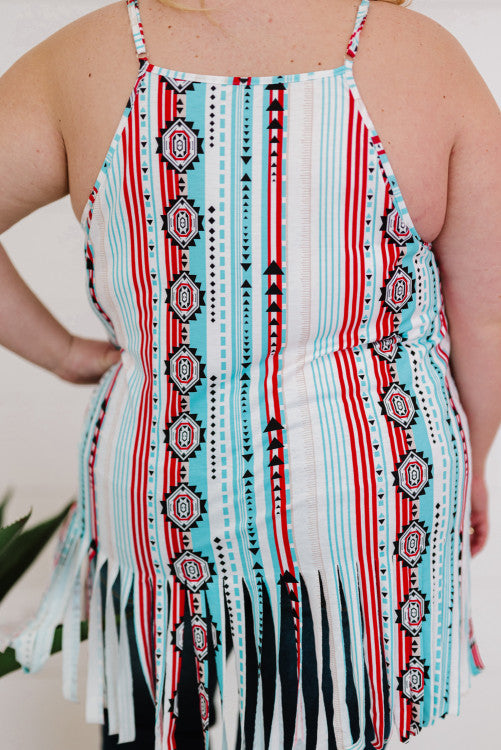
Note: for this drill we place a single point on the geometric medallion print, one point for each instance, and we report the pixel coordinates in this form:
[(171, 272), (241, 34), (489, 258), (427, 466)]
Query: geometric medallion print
[(178, 84), (182, 222), (411, 543), (184, 435), (411, 682), (179, 145), (203, 700), (200, 639), (412, 474), (398, 405), (398, 290), (184, 368), (184, 296), (387, 347), (412, 612), (414, 729), (178, 635), (192, 570), (206, 215), (182, 506), (395, 229)]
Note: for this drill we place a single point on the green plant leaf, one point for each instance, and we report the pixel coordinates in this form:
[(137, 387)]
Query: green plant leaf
[(8, 661), (8, 534), (4, 501), (16, 558)]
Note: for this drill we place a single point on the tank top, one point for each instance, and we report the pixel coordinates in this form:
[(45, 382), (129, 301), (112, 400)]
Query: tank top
[(281, 453)]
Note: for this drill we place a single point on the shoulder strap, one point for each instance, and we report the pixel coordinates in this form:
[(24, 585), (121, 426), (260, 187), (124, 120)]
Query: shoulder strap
[(137, 28), (352, 48)]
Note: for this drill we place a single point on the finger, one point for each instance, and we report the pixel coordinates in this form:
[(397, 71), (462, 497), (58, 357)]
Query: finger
[(477, 541), (112, 357)]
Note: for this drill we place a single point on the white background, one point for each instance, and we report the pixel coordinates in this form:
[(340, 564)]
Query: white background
[(41, 417)]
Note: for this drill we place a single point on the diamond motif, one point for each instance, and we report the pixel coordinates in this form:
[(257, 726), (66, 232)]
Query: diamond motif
[(398, 290), (184, 435), (395, 228), (412, 612), (411, 543), (179, 144), (191, 570), (182, 222), (185, 368), (413, 474), (399, 405), (184, 296), (182, 506), (412, 680)]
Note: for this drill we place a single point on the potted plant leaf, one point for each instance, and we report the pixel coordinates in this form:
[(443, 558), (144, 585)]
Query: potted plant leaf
[(19, 547)]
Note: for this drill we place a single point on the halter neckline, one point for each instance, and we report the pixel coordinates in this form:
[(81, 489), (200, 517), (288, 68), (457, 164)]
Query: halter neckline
[(209, 78)]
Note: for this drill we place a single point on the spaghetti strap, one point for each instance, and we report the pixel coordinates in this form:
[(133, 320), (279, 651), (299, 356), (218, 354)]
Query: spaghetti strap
[(140, 44), (255, 497), (137, 29), (352, 48)]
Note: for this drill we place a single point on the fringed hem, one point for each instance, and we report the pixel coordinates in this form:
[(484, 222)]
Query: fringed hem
[(60, 604), (109, 682), (270, 683), (109, 674)]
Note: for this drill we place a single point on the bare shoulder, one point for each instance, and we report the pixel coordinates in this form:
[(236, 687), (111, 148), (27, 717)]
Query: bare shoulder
[(77, 59), (405, 24), (422, 45), (94, 39), (43, 102)]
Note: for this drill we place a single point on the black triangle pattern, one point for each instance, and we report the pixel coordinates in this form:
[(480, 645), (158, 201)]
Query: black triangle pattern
[(309, 669), (251, 669), (327, 686), (287, 665), (351, 693), (268, 666)]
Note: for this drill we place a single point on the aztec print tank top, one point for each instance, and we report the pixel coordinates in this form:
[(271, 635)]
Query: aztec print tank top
[(281, 453)]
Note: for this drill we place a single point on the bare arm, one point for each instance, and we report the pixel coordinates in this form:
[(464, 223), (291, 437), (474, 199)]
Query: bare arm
[(468, 252), (27, 327), (33, 173)]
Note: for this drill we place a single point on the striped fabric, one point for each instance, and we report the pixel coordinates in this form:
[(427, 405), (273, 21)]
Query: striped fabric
[(282, 443)]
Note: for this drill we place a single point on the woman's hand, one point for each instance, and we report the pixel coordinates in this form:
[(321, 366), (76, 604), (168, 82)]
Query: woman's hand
[(87, 359), (479, 520)]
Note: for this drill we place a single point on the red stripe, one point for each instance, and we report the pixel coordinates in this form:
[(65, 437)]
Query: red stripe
[(357, 163), (272, 359), (167, 100), (473, 646), (90, 274), (355, 413), (92, 461), (142, 289)]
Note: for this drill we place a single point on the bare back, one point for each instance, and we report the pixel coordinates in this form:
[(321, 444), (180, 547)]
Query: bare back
[(281, 327), (397, 70)]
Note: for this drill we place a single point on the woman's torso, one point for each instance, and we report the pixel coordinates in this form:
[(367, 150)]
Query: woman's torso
[(401, 77), (282, 427)]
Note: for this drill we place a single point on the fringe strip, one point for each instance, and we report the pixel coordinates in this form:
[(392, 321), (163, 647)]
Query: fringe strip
[(270, 685)]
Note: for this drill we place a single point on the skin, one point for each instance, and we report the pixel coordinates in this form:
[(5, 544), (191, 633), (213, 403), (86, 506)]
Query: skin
[(60, 104)]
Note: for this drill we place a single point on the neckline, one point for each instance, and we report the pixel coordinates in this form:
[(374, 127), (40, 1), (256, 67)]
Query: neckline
[(232, 80)]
